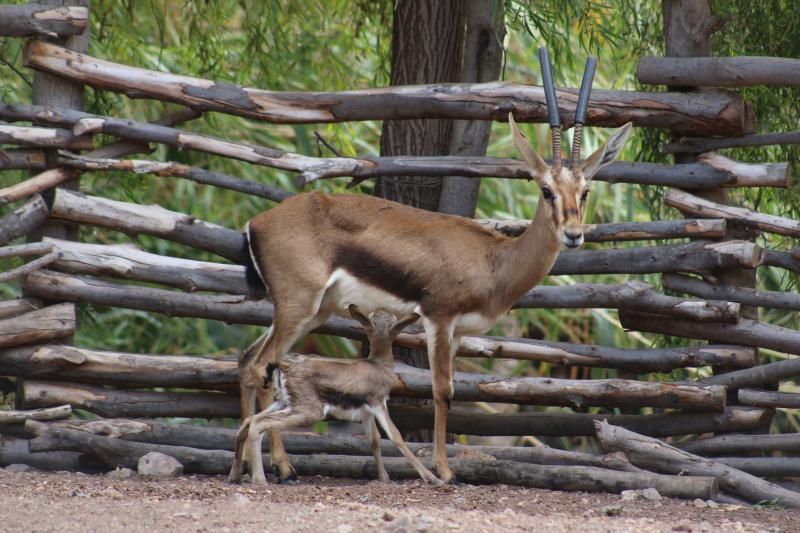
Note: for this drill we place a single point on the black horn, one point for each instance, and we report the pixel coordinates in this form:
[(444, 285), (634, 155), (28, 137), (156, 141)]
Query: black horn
[(580, 111), (552, 107)]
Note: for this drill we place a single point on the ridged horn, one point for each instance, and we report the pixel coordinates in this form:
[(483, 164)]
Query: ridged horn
[(552, 107), (580, 111)]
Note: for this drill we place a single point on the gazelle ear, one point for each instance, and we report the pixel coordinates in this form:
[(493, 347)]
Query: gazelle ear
[(536, 164), (403, 322), (606, 153), (356, 313)]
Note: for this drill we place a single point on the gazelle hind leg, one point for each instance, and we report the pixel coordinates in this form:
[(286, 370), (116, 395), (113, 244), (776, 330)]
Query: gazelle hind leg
[(375, 442), (273, 422), (381, 414), (440, 357)]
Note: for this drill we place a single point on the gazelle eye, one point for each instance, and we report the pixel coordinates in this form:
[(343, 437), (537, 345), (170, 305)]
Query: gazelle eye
[(585, 195), (548, 194)]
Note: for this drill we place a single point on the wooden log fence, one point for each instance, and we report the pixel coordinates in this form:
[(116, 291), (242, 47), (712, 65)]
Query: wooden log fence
[(717, 112), (53, 379), (739, 71), (653, 454), (120, 453)]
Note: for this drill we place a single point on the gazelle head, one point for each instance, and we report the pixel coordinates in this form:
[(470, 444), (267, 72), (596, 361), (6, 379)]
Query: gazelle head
[(381, 326), (565, 189)]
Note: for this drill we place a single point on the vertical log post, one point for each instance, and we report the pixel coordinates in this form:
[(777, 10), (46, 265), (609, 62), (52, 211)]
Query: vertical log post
[(52, 90), (688, 25)]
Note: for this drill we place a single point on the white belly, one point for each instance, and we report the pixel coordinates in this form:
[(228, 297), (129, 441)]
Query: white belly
[(344, 289), (341, 413), (474, 323)]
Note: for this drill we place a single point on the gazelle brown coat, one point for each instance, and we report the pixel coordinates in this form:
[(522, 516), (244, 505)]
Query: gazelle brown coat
[(319, 254)]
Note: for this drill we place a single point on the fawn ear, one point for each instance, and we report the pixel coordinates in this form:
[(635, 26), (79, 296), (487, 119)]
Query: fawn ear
[(356, 313), (403, 322), (606, 153), (536, 164)]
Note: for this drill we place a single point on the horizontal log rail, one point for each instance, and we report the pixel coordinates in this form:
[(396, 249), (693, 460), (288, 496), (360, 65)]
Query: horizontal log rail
[(787, 260), (49, 413), (18, 306), (114, 403), (745, 332), (130, 263), (706, 144), (757, 376), (40, 325), (181, 228), (115, 452), (731, 293), (232, 309), (22, 158), (758, 398), (43, 137), (53, 177), (741, 444), (300, 442), (692, 176), (33, 20), (701, 113), (698, 228), (739, 71), (690, 204)]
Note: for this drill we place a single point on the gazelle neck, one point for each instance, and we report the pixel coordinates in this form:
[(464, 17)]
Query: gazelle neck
[(529, 257)]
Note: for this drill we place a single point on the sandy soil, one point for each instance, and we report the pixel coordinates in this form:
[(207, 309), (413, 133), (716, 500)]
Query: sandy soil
[(66, 502)]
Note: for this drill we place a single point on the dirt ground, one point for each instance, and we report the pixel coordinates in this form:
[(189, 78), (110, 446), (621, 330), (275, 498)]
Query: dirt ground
[(67, 502)]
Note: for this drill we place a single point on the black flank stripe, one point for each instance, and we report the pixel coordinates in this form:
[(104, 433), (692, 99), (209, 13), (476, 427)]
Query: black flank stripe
[(384, 275), (341, 399)]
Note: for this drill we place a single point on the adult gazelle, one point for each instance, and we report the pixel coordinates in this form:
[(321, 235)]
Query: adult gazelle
[(320, 254)]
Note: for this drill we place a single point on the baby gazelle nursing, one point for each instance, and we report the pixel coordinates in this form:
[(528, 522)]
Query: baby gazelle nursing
[(310, 388)]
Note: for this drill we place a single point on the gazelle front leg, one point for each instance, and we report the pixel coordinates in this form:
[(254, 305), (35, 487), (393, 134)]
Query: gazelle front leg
[(440, 357), (375, 442)]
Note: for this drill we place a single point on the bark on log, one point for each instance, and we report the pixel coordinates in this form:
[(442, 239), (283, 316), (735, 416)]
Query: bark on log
[(50, 413), (694, 205), (131, 263), (759, 398), (22, 158), (769, 467), (34, 20), (699, 228), (42, 325), (18, 306), (23, 220), (15, 451), (749, 174), (55, 176), (127, 404), (409, 418), (52, 285), (653, 454), (743, 444), (758, 375), (785, 260), (739, 71), (745, 332), (114, 452), (25, 250), (707, 144), (715, 112), (42, 137), (296, 442), (731, 293), (151, 220), (634, 295), (198, 175), (415, 382), (27, 268)]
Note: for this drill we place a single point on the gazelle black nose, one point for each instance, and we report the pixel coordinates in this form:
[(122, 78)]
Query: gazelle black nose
[(574, 235)]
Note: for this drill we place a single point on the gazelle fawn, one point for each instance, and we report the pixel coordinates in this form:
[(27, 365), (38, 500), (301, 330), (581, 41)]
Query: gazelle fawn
[(319, 254), (310, 388)]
